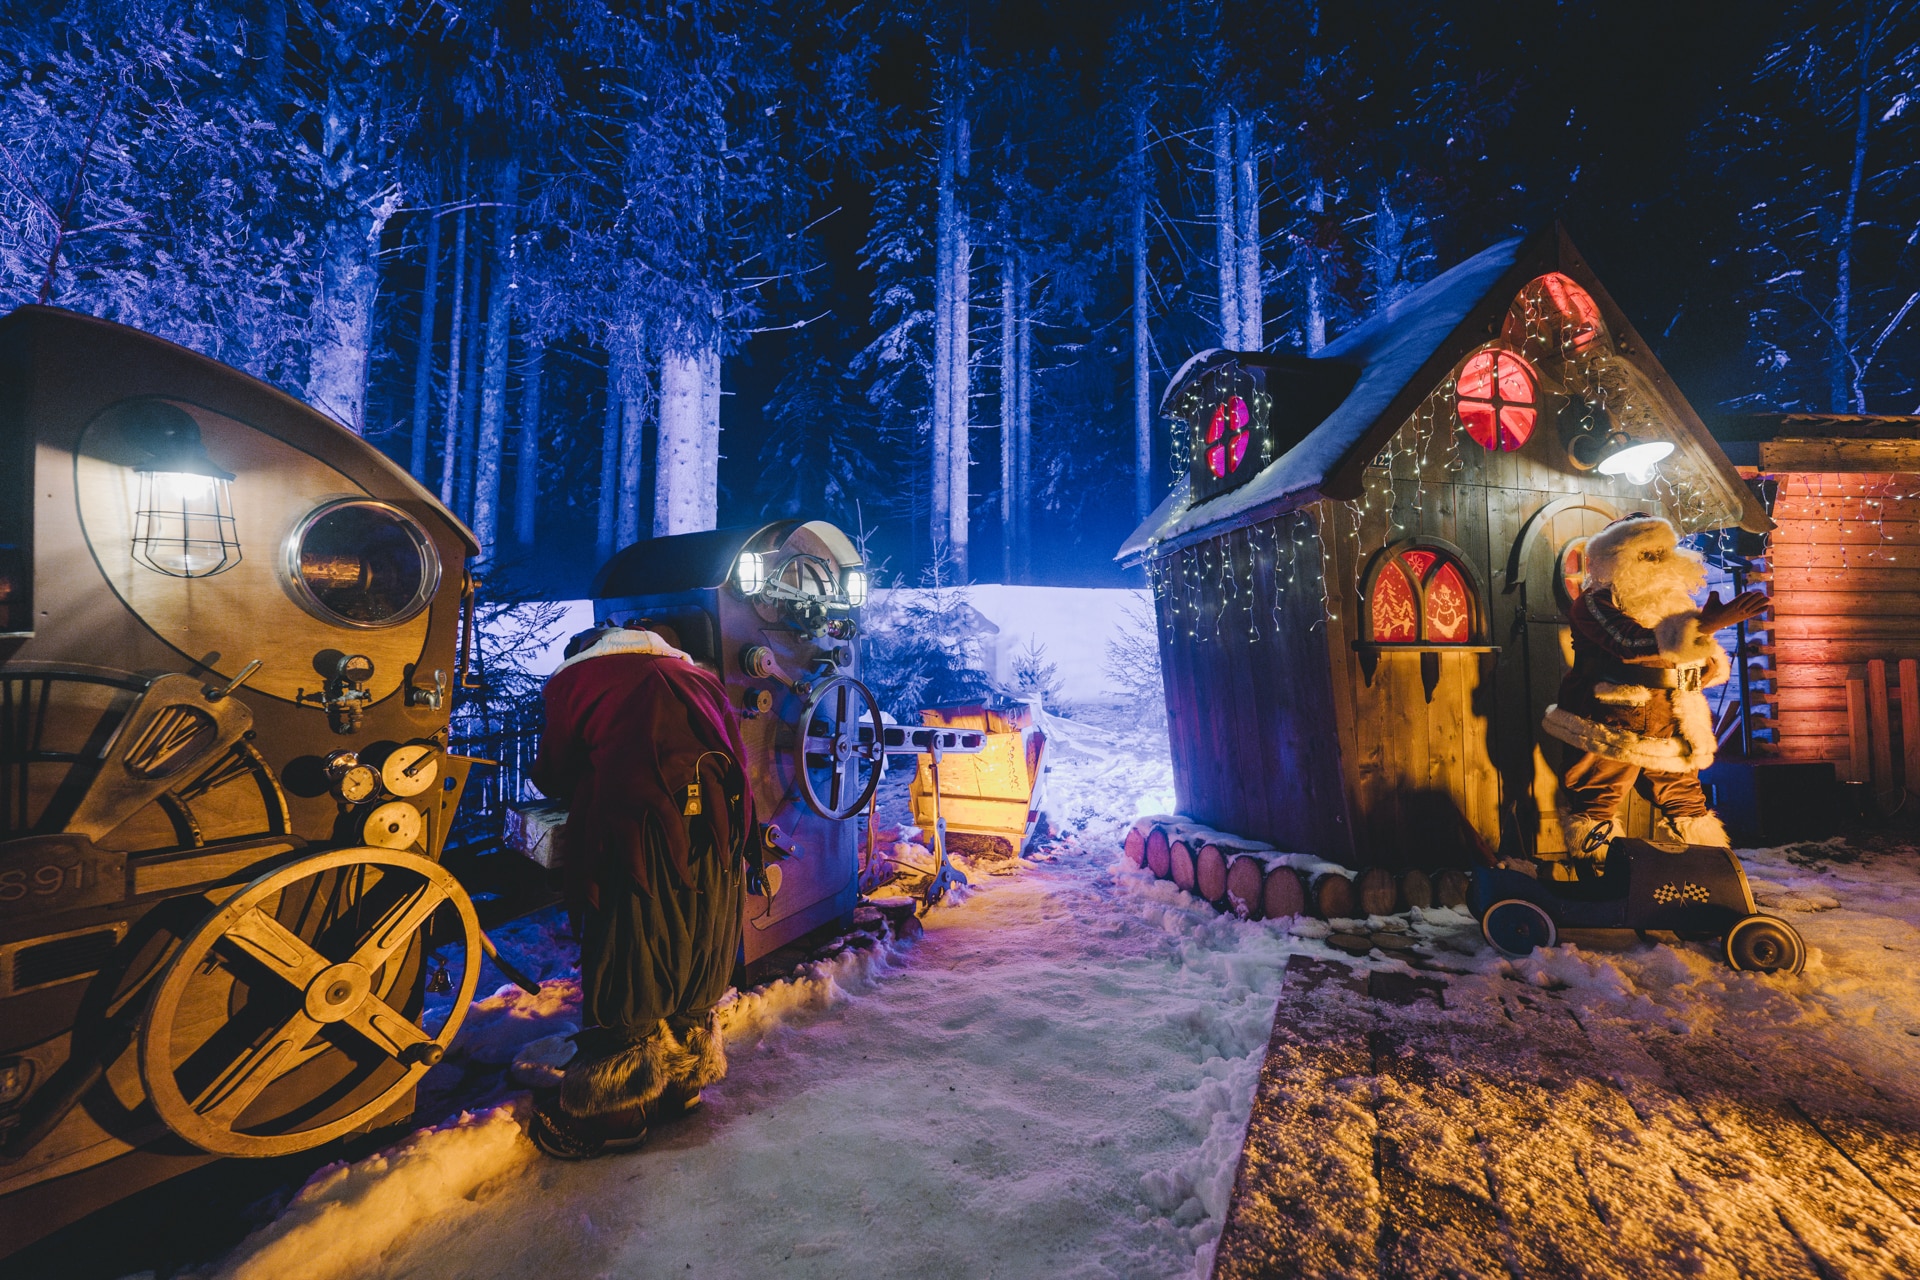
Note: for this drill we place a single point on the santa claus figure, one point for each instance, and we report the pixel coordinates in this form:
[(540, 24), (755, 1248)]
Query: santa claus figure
[(1643, 652)]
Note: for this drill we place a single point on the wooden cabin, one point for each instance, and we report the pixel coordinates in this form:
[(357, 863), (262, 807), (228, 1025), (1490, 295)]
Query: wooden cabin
[(1362, 576), (1830, 671)]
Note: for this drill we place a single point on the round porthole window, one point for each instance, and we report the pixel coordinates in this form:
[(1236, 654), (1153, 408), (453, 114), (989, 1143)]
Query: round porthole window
[(356, 562)]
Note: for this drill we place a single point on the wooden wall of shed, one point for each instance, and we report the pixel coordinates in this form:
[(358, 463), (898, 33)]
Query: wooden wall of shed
[(1249, 699), (1844, 570)]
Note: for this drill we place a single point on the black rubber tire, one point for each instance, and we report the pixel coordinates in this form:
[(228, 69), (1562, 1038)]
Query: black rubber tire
[(1765, 944), (1515, 927)]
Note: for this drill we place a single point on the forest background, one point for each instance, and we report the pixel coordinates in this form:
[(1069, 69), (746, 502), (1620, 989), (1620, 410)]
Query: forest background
[(596, 271)]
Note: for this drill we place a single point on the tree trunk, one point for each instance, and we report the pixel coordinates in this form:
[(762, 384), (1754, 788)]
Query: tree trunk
[(1142, 342), (456, 350), (1845, 392), (341, 334), (1023, 419), (686, 466), (491, 441), (960, 416), (629, 380), (942, 466), (1226, 229), (423, 352), (470, 377), (526, 467), (1009, 383), (1247, 172), (1316, 285), (608, 510)]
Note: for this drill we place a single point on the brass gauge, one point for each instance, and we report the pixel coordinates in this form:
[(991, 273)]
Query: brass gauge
[(351, 781), (394, 825), (410, 769)]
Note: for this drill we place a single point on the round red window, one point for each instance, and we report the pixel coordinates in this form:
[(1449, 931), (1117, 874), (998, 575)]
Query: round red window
[(1227, 436), (1495, 400)]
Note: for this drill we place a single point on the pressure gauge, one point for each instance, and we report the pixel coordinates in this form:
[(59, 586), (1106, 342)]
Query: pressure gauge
[(351, 781), (394, 825), (410, 769)]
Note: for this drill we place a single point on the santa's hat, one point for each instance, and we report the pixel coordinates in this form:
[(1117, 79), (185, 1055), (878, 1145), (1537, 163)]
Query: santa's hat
[(1626, 538)]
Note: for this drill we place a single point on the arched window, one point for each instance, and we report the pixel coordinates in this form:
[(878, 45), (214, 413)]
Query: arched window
[(1495, 399), (1420, 596)]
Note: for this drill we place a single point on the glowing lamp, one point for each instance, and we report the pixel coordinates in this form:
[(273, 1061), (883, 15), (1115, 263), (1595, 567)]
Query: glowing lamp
[(1637, 462), (183, 513), (750, 573), (854, 582)]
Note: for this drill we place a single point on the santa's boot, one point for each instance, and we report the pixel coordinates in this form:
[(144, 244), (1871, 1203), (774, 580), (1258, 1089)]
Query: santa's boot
[(1703, 828)]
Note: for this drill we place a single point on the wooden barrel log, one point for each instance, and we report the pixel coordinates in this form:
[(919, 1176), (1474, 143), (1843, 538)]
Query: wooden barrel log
[(1450, 888), (1416, 889), (1210, 872), (1283, 895), (1181, 855), (1377, 891), (1332, 896), (1159, 858), (1136, 847), (1246, 885)]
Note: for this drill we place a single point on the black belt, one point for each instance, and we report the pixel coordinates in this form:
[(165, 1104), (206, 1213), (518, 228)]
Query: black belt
[(1687, 677)]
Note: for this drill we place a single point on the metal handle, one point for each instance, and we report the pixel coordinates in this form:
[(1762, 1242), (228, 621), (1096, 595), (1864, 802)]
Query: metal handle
[(214, 695)]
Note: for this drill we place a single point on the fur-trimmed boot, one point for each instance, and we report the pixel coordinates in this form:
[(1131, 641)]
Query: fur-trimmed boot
[(1704, 828), (1587, 841)]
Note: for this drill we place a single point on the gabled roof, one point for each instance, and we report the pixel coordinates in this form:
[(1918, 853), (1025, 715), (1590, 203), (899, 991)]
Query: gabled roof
[(1402, 354)]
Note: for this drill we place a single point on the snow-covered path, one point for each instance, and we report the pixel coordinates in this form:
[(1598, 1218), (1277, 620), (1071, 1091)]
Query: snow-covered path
[(1054, 1081)]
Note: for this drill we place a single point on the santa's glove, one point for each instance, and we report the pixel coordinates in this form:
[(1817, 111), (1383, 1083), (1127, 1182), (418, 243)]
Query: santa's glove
[(1716, 616)]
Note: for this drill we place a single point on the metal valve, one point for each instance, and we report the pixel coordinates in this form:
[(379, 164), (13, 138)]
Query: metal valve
[(345, 695)]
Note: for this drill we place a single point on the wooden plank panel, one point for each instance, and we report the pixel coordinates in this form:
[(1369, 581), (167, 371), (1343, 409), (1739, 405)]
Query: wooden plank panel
[(1858, 751), (1877, 728), (1839, 556), (1789, 601), (1833, 652), (1812, 675), (1817, 484), (1820, 626), (1860, 507), (1910, 721), (1894, 535), (1838, 579), (1840, 455), (1829, 698)]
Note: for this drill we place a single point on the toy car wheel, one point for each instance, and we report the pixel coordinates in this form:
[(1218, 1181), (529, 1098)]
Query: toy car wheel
[(1515, 927), (1763, 944)]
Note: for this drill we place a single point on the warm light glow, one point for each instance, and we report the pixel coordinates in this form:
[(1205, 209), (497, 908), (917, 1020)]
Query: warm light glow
[(181, 488), (1639, 463), (750, 573), (854, 580), (1494, 397), (183, 524)]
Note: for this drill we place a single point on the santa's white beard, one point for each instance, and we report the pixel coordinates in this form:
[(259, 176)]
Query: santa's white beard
[(1651, 591)]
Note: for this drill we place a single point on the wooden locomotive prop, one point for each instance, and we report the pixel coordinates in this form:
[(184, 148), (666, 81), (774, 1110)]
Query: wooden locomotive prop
[(774, 611), (229, 642), (1362, 580)]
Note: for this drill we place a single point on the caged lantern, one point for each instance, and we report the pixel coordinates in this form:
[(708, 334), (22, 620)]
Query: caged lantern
[(183, 509)]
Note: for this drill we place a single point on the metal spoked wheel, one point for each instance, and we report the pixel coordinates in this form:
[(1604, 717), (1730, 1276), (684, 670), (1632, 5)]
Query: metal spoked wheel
[(842, 747), (1515, 927), (280, 1024), (1763, 944)]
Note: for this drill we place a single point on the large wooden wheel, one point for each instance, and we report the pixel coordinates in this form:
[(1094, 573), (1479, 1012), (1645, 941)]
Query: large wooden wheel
[(280, 1023)]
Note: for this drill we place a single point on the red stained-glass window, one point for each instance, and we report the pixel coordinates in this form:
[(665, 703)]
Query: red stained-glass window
[(1420, 596), (1227, 436), (1494, 397), (1577, 306)]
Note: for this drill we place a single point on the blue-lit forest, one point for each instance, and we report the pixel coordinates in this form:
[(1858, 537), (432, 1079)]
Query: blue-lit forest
[(925, 271)]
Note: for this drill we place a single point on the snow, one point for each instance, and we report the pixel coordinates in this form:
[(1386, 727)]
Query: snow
[(1390, 349), (1056, 1080)]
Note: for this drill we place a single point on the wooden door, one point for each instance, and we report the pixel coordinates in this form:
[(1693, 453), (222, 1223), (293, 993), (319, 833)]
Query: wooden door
[(1543, 572)]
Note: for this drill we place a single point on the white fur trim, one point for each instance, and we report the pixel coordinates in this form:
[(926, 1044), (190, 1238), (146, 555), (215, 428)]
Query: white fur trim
[(621, 640), (640, 1073), (1704, 828), (1621, 695), (1681, 753), (1621, 539)]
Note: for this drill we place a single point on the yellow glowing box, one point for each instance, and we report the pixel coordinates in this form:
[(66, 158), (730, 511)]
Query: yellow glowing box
[(991, 800)]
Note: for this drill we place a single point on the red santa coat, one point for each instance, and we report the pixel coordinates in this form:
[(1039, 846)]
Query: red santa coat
[(626, 732)]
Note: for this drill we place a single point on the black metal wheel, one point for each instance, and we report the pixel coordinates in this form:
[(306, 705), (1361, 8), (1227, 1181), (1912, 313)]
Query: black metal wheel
[(842, 748), (1515, 927), (1763, 944)]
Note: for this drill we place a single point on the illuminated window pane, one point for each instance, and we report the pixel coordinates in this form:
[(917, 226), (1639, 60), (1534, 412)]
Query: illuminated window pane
[(1395, 616), (1227, 436), (1449, 611), (1494, 397), (1576, 306), (1419, 562)]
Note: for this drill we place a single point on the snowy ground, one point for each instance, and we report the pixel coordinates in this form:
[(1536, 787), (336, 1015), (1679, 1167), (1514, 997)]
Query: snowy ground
[(1056, 1079)]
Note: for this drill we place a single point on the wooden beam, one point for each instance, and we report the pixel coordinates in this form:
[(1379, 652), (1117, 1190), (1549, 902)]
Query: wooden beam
[(1858, 768), (1877, 729), (1840, 455)]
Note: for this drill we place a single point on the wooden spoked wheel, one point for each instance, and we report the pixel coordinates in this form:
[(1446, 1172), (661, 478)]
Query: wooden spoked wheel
[(282, 1021)]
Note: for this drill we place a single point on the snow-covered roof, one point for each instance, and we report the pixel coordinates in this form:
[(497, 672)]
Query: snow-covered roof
[(1390, 350), (1401, 354)]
